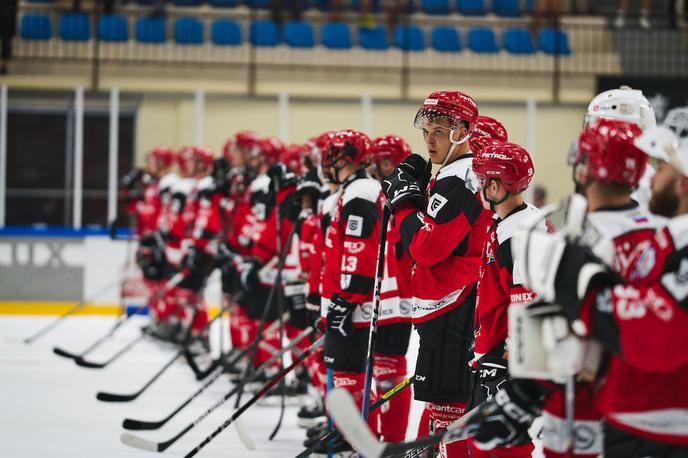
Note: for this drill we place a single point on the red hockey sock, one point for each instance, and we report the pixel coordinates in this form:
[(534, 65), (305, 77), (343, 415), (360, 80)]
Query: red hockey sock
[(424, 425), (516, 451), (389, 371), (353, 382), (444, 414)]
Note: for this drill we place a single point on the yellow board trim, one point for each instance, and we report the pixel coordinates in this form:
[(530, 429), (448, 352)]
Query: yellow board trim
[(61, 307)]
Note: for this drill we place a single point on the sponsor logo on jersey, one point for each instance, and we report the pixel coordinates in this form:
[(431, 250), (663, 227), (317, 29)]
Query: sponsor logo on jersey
[(344, 382), (366, 311), (435, 204), (447, 408), (259, 210), (354, 247), (526, 296), (354, 226)]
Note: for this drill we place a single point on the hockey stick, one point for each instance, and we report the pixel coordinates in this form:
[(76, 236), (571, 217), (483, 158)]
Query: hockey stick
[(119, 322), (280, 308), (301, 358), (149, 425), (372, 334), (80, 361), (345, 413), (145, 444), (334, 435), (92, 365), (72, 311)]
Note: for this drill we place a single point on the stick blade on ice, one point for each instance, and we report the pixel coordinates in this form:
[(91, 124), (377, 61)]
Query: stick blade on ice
[(243, 434), (139, 442), (114, 397), (346, 415), (64, 353)]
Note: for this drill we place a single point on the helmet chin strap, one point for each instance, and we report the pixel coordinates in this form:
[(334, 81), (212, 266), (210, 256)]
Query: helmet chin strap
[(454, 143)]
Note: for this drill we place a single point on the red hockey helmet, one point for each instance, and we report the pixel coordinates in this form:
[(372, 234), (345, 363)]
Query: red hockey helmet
[(457, 107), (391, 147), (608, 151), (272, 148), (293, 157), (247, 141), (486, 130), (203, 155), (347, 144), (185, 157), (508, 162), (164, 155), (228, 148)]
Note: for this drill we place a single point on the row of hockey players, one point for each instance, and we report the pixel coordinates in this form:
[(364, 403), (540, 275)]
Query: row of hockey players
[(450, 265)]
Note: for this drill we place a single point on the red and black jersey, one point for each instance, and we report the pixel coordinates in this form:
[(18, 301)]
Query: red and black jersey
[(445, 240), (499, 285), (208, 220), (351, 246), (307, 235), (146, 207), (326, 206), (395, 290), (644, 388)]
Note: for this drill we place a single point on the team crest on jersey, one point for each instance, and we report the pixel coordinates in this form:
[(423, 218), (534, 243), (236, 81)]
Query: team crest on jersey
[(354, 226), (645, 263), (259, 210), (345, 281), (435, 204)]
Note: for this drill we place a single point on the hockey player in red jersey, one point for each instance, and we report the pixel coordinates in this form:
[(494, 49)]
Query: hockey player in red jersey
[(504, 171), (390, 367), (618, 231), (444, 234), (351, 247)]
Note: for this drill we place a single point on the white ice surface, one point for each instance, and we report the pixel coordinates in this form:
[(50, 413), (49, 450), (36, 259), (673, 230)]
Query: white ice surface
[(48, 406)]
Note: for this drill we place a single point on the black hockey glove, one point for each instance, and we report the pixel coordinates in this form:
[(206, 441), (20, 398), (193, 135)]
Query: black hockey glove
[(295, 295), (131, 184), (505, 419), (281, 176), (401, 187), (248, 274), (310, 184), (313, 309), (199, 264), (220, 174), (340, 316), (492, 373), (419, 168)]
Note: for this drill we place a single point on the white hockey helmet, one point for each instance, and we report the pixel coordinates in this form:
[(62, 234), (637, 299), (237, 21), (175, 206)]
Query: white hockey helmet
[(661, 143), (677, 121), (623, 104)]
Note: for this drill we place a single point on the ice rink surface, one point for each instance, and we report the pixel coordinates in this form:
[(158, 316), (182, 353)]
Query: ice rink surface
[(49, 406)]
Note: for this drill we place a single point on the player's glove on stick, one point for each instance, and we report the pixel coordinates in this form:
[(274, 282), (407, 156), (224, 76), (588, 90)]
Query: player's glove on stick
[(340, 316), (406, 184), (505, 419)]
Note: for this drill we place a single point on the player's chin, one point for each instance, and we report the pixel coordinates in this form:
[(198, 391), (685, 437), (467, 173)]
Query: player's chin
[(435, 157)]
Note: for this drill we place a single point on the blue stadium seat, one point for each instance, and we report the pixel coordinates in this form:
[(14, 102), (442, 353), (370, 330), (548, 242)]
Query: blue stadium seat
[(225, 32), (112, 27), (35, 26), (298, 34), (188, 31), (446, 39), (223, 3), (471, 7), (374, 38), (258, 3), (409, 38), (335, 35), (188, 2), (75, 27), (264, 33), (547, 42), (435, 6), (518, 41), (506, 8), (151, 30), (482, 40)]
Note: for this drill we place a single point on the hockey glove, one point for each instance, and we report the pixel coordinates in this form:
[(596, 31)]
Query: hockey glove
[(281, 176), (401, 187), (419, 168), (310, 183), (313, 309), (505, 419), (248, 274), (493, 373), (340, 316)]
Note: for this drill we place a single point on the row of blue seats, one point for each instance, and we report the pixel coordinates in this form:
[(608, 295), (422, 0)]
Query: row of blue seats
[(297, 34), (505, 8)]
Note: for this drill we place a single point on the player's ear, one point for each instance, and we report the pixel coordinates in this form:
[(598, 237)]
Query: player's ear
[(682, 186)]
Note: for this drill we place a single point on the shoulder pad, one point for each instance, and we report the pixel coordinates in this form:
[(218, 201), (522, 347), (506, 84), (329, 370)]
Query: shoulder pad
[(363, 188), (183, 186), (205, 183), (330, 202), (678, 228), (509, 226), (615, 223), (260, 184), (167, 181), (462, 169)]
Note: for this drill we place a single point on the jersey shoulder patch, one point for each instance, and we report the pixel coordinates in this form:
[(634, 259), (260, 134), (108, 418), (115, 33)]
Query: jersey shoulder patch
[(260, 184)]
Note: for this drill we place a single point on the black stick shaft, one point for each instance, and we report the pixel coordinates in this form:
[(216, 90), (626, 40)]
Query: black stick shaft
[(372, 335), (274, 381)]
